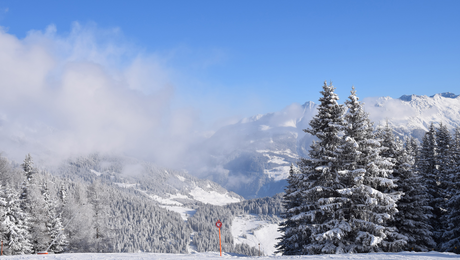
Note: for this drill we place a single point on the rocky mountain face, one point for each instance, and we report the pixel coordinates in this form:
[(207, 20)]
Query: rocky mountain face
[(252, 157)]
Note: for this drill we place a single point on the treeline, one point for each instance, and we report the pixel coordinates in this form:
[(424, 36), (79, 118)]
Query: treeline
[(365, 190), (39, 212)]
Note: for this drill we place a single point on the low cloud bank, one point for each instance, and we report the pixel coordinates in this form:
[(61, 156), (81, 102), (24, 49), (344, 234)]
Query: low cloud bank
[(88, 91)]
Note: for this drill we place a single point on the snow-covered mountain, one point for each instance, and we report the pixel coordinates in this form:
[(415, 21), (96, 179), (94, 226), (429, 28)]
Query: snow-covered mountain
[(171, 189), (412, 114), (252, 157)]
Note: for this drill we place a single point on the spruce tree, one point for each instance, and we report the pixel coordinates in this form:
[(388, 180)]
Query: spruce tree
[(292, 242), (29, 173), (369, 186), (57, 240), (428, 169), (413, 216), (451, 235), (14, 224), (33, 205), (317, 218)]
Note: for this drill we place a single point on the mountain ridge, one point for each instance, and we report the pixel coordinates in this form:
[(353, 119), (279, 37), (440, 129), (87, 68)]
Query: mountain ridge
[(253, 155)]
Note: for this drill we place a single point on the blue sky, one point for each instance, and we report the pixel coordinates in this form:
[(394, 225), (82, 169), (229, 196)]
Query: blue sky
[(240, 58)]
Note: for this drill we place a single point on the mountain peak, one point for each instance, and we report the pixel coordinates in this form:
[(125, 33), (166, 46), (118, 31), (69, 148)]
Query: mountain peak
[(445, 95), (309, 104)]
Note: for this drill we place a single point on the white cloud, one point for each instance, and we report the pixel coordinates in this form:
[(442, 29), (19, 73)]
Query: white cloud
[(381, 109), (88, 91)]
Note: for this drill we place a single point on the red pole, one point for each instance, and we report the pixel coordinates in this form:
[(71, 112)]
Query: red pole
[(219, 225), (2, 247), (220, 244)]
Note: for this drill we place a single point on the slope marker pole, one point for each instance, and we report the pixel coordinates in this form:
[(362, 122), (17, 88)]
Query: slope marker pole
[(219, 225)]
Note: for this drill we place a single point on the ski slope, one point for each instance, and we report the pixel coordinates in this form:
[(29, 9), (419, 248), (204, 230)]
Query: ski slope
[(253, 230), (215, 255)]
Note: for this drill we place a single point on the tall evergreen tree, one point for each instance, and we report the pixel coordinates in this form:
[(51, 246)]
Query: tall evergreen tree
[(14, 224), (292, 242), (317, 217), (57, 240), (428, 169), (451, 235), (371, 203), (33, 205), (29, 172), (413, 216)]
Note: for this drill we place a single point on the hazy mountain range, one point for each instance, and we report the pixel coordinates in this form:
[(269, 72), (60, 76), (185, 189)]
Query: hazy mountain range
[(252, 157)]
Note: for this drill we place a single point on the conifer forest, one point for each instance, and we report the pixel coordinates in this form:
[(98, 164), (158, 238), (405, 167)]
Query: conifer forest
[(364, 190)]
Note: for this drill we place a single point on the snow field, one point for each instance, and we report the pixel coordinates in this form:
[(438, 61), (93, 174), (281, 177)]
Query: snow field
[(215, 256), (185, 213), (212, 197), (281, 172), (251, 230)]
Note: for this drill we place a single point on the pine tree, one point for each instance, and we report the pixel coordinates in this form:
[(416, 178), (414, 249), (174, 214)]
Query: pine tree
[(413, 216), (451, 235), (54, 230), (443, 158), (318, 227), (428, 170), (29, 172), (33, 205), (369, 186), (291, 243), (14, 224)]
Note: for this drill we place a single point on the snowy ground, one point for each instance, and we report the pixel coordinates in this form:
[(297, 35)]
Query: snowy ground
[(212, 197), (214, 255), (252, 230)]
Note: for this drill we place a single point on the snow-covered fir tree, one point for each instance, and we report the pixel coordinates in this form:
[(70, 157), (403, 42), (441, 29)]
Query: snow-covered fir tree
[(444, 164), (33, 205), (320, 179), (317, 216), (14, 224), (292, 242), (29, 172), (414, 214), (322, 209), (347, 188), (371, 200), (54, 230), (451, 236), (426, 166)]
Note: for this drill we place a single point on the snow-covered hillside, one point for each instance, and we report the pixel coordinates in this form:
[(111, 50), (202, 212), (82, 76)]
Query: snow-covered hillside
[(166, 186), (215, 255), (412, 115), (252, 157), (256, 230)]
